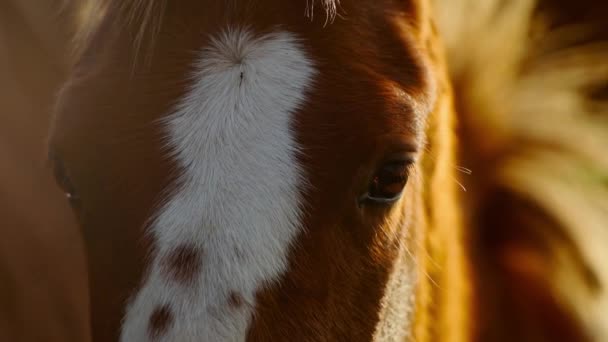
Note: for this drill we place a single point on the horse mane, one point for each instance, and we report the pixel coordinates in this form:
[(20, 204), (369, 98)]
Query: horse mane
[(535, 136)]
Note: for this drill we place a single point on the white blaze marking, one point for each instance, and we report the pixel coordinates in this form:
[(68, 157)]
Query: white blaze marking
[(239, 195)]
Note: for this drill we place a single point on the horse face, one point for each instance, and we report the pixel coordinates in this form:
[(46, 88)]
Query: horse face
[(253, 172)]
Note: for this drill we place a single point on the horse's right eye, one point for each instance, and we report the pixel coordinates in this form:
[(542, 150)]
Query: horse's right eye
[(62, 179)]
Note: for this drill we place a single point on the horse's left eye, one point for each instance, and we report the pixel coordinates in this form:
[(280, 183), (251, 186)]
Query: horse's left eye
[(388, 182)]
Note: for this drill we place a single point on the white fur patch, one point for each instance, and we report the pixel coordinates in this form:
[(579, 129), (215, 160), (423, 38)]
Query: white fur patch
[(238, 199)]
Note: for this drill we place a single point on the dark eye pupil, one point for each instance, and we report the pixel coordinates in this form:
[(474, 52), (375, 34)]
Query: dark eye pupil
[(389, 181), (62, 178)]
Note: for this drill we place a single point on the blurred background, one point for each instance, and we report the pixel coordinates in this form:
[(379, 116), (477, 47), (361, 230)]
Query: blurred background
[(531, 84), (531, 91)]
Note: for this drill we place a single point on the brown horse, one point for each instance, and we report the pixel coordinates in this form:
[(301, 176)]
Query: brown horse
[(42, 268), (264, 171), (243, 170)]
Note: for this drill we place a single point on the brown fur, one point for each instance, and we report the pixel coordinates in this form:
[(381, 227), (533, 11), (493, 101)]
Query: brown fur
[(531, 235), (341, 265), (160, 321), (43, 291)]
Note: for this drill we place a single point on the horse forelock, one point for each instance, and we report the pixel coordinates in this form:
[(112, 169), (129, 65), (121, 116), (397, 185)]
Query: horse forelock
[(146, 16)]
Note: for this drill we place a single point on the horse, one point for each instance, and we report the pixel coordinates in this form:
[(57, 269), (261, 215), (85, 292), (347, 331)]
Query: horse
[(263, 170), (43, 282)]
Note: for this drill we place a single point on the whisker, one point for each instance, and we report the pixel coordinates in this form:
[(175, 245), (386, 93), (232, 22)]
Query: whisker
[(464, 170), (460, 184), (426, 253), (407, 250)]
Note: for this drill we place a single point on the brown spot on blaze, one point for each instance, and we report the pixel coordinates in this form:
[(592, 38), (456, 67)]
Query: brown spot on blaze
[(160, 320), (235, 300), (183, 263)]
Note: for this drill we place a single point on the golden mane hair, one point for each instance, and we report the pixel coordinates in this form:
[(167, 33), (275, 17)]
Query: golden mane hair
[(535, 138)]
